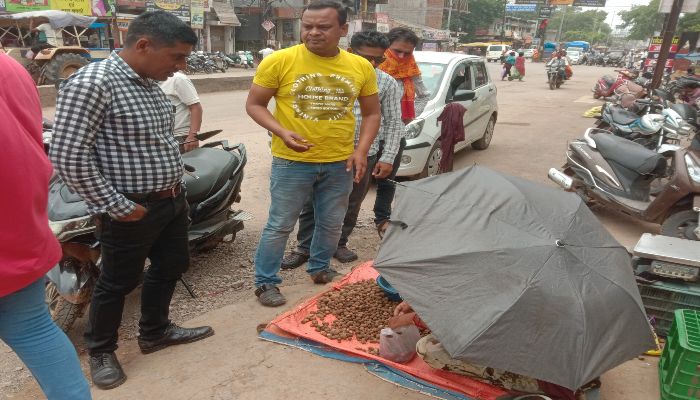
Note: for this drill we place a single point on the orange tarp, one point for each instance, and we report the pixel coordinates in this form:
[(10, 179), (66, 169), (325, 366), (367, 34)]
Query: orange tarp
[(289, 324)]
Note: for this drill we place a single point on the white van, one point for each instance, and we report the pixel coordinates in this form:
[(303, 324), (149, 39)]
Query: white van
[(494, 51)]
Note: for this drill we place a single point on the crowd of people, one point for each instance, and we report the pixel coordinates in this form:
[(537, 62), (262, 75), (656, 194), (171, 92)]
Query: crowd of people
[(120, 128)]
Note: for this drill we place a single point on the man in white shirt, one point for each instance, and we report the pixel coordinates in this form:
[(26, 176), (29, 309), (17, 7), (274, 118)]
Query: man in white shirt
[(188, 110), (54, 37), (267, 51)]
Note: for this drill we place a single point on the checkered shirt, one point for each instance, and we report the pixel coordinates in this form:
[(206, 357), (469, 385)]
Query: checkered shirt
[(113, 134), (391, 129)]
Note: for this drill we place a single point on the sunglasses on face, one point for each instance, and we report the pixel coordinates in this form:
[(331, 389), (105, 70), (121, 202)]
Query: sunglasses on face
[(377, 60)]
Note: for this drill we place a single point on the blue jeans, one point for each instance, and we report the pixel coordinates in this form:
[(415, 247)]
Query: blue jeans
[(291, 183), (25, 325)]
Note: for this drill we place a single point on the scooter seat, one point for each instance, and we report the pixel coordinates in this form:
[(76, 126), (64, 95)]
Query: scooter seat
[(622, 116), (213, 167), (629, 154)]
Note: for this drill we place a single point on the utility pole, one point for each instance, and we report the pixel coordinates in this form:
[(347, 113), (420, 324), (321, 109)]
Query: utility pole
[(449, 15), (561, 23), (503, 25), (669, 30)]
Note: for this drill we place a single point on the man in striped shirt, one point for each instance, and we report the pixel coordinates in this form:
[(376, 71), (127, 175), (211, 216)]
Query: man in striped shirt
[(113, 144), (380, 158)]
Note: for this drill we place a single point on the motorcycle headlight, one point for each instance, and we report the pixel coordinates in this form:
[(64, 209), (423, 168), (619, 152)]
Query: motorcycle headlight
[(693, 169), (70, 228), (414, 128)]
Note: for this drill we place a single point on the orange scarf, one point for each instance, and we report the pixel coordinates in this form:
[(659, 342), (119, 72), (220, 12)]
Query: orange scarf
[(404, 70)]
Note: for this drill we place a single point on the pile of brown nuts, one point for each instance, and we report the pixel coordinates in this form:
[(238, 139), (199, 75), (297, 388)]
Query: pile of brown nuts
[(361, 310)]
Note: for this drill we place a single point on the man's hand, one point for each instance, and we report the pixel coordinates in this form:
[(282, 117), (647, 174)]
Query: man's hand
[(294, 141), (401, 320), (191, 143), (382, 170), (359, 162), (402, 308), (136, 215)]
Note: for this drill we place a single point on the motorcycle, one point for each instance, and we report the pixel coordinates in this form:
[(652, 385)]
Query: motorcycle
[(555, 75), (213, 176), (606, 85), (666, 257), (616, 173), (679, 87), (247, 57)]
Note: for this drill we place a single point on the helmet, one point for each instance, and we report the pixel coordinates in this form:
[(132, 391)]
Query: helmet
[(650, 123)]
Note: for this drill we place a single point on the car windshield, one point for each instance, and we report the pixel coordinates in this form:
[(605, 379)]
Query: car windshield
[(496, 48), (432, 76)]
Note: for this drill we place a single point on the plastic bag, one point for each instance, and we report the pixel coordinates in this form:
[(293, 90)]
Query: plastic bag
[(399, 345), (504, 72)]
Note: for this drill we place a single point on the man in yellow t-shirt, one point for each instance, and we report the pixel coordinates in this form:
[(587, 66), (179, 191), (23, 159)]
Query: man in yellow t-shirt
[(315, 86)]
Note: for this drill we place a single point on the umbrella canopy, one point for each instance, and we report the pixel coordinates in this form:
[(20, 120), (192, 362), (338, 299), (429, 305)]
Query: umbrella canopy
[(514, 275), (57, 19), (691, 56)]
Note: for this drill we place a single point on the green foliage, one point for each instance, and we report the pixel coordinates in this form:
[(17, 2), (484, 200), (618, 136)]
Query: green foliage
[(689, 22), (482, 13), (589, 26), (642, 21)]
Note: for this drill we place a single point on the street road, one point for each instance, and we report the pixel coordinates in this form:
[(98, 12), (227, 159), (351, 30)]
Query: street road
[(531, 134)]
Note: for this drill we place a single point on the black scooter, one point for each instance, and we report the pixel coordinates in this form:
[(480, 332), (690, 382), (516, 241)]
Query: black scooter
[(213, 177)]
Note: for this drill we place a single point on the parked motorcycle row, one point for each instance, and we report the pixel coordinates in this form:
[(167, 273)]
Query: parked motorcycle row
[(213, 176), (208, 63), (612, 59), (643, 159)]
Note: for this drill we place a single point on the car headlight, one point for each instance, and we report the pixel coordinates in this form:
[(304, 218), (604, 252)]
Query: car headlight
[(70, 228), (693, 169), (414, 128)]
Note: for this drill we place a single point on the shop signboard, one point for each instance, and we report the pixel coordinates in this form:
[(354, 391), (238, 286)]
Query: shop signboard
[(529, 1), (26, 5), (545, 11), (655, 49), (197, 14), (179, 8), (521, 7), (382, 22), (102, 8), (80, 7), (589, 3), (435, 34), (561, 2)]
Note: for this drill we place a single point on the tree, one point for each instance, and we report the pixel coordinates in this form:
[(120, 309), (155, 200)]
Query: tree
[(689, 22), (482, 13), (589, 26), (642, 21)]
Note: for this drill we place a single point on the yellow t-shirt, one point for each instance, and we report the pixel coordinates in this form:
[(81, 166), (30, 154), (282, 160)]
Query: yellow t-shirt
[(314, 98)]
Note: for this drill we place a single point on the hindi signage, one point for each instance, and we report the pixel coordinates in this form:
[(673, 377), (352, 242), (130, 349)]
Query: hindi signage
[(179, 8), (654, 51), (26, 5), (80, 7), (197, 14), (521, 7), (546, 11), (589, 3)]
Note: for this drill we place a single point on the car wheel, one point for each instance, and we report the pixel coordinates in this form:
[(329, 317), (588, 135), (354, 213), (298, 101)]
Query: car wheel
[(432, 165), (485, 141)]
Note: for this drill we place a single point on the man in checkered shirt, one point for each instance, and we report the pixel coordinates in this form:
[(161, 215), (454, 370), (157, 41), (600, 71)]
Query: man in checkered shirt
[(113, 144)]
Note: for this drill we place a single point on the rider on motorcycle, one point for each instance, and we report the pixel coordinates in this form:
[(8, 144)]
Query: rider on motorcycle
[(559, 63)]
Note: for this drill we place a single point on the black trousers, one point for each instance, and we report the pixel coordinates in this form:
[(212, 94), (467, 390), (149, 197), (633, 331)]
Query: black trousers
[(160, 236)]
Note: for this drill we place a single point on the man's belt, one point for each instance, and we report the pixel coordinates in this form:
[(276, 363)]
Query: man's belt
[(160, 195)]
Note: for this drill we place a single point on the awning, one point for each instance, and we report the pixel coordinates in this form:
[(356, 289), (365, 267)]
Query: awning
[(225, 14)]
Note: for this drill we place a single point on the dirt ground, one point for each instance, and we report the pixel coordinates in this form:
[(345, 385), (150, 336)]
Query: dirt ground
[(531, 134)]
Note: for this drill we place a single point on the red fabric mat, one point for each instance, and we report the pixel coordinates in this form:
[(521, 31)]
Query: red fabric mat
[(289, 324)]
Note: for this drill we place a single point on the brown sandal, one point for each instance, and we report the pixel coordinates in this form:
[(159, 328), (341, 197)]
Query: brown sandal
[(381, 228)]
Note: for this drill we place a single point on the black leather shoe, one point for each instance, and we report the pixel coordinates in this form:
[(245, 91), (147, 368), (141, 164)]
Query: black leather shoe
[(294, 260), (175, 335), (105, 371)]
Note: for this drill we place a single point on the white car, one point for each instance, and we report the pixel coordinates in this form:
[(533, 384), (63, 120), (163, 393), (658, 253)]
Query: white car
[(495, 51), (574, 56), (450, 77), (529, 53)]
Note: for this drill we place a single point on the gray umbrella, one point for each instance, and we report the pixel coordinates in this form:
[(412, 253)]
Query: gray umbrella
[(514, 275)]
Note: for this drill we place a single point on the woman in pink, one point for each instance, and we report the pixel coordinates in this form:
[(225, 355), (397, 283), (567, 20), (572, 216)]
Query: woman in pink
[(520, 66), (27, 246)]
